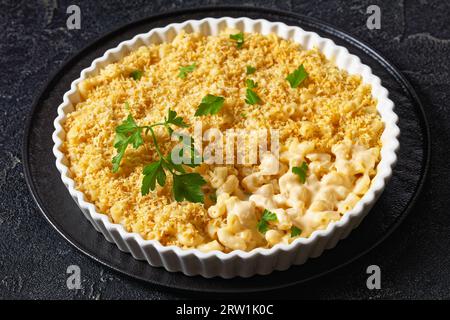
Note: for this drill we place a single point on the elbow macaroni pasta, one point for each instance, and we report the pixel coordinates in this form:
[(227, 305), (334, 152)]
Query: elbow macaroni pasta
[(332, 187)]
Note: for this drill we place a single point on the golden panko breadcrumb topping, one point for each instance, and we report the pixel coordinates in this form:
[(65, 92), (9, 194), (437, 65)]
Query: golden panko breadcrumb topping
[(328, 110)]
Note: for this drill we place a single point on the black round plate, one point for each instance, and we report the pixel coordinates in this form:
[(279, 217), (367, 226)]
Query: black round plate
[(61, 211)]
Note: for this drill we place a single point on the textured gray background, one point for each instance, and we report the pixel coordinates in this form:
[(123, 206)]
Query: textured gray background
[(34, 42)]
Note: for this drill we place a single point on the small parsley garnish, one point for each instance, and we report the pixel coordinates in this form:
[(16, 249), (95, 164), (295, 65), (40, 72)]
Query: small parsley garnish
[(186, 186), (251, 84), (295, 231), (301, 171), (251, 97), (136, 74), (185, 70), (297, 76), (250, 70), (263, 224), (239, 37), (210, 105)]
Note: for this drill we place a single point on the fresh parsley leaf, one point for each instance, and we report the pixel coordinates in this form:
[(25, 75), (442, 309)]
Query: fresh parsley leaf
[(161, 177), (251, 84), (210, 105), (119, 140), (154, 172), (136, 138), (297, 76), (295, 231), (251, 97), (188, 187), (239, 37), (136, 74), (301, 171), (127, 126), (172, 118), (263, 224), (126, 133), (185, 70), (250, 70), (121, 144), (269, 216)]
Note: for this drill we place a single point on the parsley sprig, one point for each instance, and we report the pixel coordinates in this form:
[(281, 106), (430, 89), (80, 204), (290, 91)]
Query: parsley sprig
[(186, 186), (239, 38), (183, 71), (297, 76), (251, 97), (263, 224), (301, 171)]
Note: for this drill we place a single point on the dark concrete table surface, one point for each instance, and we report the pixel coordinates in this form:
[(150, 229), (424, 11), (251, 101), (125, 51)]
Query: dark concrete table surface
[(34, 42)]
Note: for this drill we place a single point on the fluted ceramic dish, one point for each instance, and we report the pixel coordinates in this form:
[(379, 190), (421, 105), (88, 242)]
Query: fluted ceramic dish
[(236, 263)]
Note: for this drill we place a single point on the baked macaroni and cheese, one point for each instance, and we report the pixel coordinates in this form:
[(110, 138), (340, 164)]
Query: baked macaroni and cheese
[(321, 126)]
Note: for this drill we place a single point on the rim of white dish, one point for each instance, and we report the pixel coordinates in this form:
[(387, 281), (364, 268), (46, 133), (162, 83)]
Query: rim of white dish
[(343, 60)]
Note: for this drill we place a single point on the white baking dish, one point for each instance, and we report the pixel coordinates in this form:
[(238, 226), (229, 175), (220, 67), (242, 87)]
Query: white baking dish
[(236, 263)]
